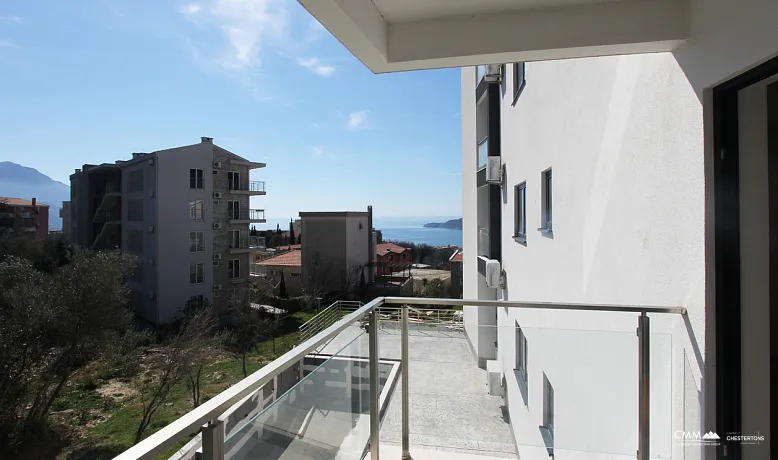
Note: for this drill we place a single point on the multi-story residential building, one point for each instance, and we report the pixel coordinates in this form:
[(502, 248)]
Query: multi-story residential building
[(24, 217), (64, 214), (337, 247), (184, 212), (618, 182)]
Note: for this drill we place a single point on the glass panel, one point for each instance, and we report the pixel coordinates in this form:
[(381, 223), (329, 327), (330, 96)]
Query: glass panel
[(483, 242), (582, 379), (323, 416), (483, 153)]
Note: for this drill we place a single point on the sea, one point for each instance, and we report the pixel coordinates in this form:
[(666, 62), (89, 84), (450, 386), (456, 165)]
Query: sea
[(402, 229)]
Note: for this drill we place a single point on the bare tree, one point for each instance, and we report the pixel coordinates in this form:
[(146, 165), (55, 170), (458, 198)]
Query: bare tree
[(316, 274), (249, 326), (197, 337), (154, 386)]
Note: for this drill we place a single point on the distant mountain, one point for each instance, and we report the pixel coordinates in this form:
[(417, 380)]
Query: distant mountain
[(455, 224), (19, 181)]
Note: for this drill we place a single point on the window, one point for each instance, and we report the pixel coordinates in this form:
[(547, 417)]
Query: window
[(233, 209), (548, 405), (196, 242), (196, 209), (233, 178), (135, 241), (521, 354), (234, 236), (547, 197), (196, 273), (518, 80), (520, 217), (483, 153), (196, 179), (135, 181), (135, 210), (233, 268)]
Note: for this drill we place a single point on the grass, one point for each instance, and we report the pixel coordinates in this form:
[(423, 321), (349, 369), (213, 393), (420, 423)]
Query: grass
[(108, 426)]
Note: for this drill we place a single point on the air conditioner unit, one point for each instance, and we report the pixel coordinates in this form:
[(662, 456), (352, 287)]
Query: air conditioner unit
[(151, 194), (494, 170), (151, 228), (217, 164), (217, 194), (492, 273), (217, 226), (493, 73), (151, 161), (493, 378), (217, 257), (217, 287)]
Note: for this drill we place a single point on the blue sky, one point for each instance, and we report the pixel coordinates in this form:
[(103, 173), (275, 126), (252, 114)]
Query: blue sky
[(90, 81)]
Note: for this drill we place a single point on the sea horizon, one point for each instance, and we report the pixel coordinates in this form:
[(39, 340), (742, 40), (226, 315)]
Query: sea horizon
[(400, 228)]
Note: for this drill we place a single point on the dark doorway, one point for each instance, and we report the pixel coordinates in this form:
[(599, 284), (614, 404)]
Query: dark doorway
[(726, 170)]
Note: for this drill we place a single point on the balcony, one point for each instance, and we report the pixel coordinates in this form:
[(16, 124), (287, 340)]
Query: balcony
[(246, 216), (251, 188), (246, 244), (397, 377)]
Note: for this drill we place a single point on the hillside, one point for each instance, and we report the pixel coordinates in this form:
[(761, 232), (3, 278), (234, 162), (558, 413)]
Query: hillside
[(19, 181), (455, 224)]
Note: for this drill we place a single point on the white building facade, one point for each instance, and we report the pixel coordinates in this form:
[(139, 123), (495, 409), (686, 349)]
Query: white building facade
[(661, 171)]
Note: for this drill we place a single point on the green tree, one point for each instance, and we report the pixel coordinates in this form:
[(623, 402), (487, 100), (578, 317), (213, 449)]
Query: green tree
[(282, 288), (291, 232)]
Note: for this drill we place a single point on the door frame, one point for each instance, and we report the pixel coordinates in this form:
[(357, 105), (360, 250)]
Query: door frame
[(727, 313)]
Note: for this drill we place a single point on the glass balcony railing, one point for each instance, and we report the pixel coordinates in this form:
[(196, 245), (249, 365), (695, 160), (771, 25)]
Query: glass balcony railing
[(484, 248), (483, 153), (398, 375), (247, 242), (254, 215), (248, 186)]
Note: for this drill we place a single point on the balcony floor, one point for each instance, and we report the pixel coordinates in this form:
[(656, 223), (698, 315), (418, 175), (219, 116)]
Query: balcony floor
[(450, 409)]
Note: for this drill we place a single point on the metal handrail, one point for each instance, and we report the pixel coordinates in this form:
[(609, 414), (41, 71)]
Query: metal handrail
[(212, 411)]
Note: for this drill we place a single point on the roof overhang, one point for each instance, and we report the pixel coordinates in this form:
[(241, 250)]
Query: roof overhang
[(398, 35)]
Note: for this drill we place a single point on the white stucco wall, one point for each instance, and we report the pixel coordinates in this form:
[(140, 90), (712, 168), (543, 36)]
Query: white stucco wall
[(628, 229), (173, 196)]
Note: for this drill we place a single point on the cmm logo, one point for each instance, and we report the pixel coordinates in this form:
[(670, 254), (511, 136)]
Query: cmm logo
[(710, 436)]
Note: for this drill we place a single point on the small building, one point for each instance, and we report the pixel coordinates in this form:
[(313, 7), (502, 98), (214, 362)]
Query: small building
[(287, 264), (24, 218), (391, 258), (455, 263)]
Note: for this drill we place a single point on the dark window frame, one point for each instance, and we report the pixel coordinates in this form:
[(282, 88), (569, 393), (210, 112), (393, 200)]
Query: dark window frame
[(196, 242), (197, 212), (519, 80), (520, 211), (522, 354), (233, 269), (195, 178), (548, 405), (547, 201), (196, 273)]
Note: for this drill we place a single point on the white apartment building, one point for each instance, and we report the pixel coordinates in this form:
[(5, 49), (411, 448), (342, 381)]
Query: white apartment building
[(184, 213)]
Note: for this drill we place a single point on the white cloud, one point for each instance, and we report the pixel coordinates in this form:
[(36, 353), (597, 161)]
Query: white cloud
[(357, 120), (6, 43), (191, 8), (14, 19), (318, 151), (315, 66), (244, 24), (315, 31)]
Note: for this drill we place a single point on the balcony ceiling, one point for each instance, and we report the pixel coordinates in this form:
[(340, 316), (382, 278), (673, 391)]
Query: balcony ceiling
[(397, 35)]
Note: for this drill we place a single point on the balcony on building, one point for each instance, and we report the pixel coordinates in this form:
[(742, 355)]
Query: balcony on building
[(415, 387), (246, 216), (246, 244), (251, 188)]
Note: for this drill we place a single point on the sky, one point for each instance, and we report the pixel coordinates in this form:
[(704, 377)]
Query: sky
[(91, 81)]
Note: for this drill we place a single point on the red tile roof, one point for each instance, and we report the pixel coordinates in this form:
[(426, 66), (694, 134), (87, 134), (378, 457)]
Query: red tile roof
[(456, 257), (383, 249), (20, 202), (289, 259)]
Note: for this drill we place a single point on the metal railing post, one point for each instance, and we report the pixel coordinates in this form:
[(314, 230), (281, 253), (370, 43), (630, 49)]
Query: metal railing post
[(406, 437), (644, 387), (374, 387), (213, 440)]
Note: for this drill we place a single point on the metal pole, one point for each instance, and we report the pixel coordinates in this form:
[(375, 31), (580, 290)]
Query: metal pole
[(213, 440), (406, 437), (644, 386), (374, 392)]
